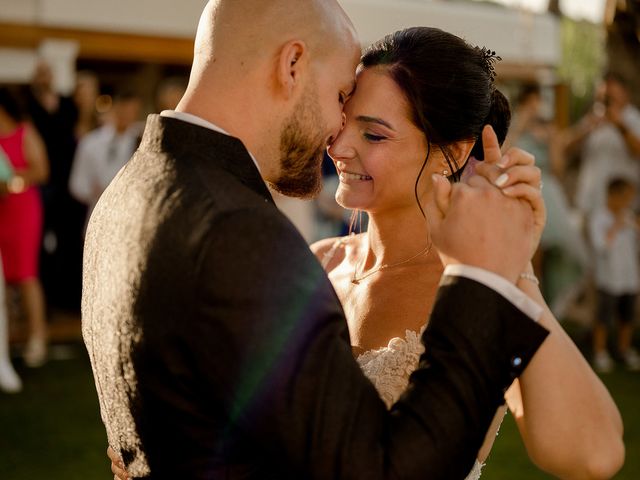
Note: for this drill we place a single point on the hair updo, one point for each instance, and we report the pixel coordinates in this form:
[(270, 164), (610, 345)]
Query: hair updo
[(449, 86)]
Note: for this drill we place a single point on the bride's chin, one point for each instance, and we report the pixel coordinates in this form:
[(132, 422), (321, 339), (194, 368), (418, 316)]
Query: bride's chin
[(349, 202)]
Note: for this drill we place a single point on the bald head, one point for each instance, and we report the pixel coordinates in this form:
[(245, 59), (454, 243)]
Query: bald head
[(236, 33), (266, 68)]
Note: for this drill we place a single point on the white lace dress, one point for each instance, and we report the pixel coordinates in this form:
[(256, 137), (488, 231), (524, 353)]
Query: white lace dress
[(389, 369)]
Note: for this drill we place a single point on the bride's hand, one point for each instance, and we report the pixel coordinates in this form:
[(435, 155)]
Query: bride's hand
[(117, 467), (517, 176)]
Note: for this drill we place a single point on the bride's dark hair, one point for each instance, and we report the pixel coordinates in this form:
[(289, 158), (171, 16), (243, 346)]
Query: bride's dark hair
[(449, 86)]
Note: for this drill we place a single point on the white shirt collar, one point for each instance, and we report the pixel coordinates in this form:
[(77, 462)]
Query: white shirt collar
[(201, 122)]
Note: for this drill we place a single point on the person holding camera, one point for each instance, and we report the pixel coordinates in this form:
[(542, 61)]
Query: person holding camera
[(610, 140)]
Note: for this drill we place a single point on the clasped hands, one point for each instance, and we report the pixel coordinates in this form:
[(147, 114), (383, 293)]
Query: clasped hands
[(494, 219)]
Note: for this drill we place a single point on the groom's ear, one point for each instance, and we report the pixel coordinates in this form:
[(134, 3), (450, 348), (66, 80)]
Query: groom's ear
[(291, 64)]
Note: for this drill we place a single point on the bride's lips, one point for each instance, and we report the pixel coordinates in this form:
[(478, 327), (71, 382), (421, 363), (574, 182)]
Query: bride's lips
[(344, 176)]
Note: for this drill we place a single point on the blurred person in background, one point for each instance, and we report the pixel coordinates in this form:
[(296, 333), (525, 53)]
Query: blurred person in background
[(85, 96), (55, 117), (562, 259), (610, 141), (169, 93), (9, 380), (21, 220), (613, 231), (103, 152)]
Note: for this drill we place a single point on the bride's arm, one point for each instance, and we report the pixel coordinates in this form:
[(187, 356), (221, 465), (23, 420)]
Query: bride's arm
[(568, 421)]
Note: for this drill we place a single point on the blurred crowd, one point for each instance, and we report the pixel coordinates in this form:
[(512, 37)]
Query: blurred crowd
[(589, 249), (58, 154)]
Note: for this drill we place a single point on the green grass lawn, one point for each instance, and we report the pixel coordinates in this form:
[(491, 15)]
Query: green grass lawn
[(53, 430)]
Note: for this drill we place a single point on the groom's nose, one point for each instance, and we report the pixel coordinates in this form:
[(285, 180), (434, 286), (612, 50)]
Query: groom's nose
[(336, 134)]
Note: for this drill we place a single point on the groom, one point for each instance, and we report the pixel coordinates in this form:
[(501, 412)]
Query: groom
[(218, 345)]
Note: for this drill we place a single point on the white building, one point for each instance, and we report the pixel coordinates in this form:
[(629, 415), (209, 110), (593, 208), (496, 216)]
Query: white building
[(161, 31)]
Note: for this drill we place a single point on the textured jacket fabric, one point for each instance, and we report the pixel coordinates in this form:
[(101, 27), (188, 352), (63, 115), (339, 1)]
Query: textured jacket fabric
[(220, 349)]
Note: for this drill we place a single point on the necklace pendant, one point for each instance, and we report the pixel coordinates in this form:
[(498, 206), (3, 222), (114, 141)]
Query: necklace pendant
[(355, 281)]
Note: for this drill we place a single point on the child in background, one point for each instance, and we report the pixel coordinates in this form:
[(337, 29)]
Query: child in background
[(614, 235)]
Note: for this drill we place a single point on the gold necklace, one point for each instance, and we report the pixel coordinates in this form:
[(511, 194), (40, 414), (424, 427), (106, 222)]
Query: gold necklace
[(356, 280)]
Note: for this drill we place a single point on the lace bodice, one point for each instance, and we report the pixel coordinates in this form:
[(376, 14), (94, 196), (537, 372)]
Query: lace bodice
[(389, 369)]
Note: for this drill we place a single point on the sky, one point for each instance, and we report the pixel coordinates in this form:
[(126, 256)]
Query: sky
[(592, 10)]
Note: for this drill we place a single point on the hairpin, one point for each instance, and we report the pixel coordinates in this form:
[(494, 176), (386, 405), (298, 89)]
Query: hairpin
[(490, 58)]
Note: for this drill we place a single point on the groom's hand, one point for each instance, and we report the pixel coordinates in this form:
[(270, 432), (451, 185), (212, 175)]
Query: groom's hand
[(475, 224), (117, 467)]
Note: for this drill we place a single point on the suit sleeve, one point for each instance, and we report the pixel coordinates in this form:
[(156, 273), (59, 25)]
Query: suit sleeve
[(274, 348)]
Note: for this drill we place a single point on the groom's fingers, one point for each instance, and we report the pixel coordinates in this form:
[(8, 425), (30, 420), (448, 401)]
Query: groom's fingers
[(117, 467), (118, 473), (491, 146), (531, 195)]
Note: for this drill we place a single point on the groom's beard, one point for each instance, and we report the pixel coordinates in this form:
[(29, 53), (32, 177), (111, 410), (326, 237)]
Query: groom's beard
[(302, 151)]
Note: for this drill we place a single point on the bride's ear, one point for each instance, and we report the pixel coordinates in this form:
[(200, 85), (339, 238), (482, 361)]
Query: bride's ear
[(460, 152)]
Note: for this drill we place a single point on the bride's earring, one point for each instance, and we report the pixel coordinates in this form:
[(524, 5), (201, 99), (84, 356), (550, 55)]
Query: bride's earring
[(445, 173)]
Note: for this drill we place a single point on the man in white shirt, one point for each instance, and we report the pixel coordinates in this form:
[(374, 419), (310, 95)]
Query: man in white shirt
[(103, 152)]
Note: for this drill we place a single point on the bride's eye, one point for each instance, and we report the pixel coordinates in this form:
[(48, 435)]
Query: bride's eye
[(373, 138)]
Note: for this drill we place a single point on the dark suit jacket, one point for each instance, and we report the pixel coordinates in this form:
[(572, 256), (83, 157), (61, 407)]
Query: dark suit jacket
[(220, 350)]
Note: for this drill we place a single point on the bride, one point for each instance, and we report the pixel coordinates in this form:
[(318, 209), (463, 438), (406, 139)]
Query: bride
[(424, 90), (423, 97)]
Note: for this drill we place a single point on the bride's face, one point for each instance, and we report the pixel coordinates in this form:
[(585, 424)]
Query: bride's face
[(379, 152)]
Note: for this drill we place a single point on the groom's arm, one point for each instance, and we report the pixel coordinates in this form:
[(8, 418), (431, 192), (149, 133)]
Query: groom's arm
[(475, 335), (274, 347)]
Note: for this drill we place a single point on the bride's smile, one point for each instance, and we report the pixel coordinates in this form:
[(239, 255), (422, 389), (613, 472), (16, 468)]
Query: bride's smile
[(347, 176)]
